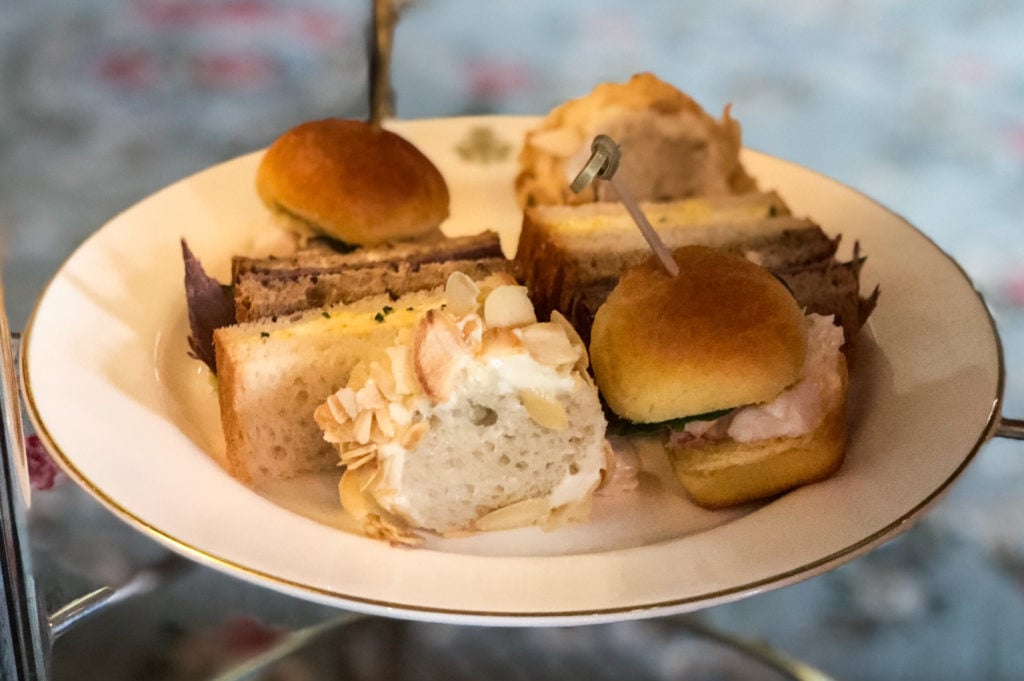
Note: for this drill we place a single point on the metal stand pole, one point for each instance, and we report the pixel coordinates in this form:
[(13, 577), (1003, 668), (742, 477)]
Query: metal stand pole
[(24, 630)]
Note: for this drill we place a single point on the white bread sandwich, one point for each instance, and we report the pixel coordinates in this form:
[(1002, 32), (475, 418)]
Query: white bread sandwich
[(673, 148), (272, 374), (476, 417), (352, 181), (750, 391)]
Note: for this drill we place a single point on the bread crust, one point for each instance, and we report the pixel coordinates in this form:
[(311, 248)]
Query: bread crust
[(725, 473), (721, 334), (352, 181), (234, 453)]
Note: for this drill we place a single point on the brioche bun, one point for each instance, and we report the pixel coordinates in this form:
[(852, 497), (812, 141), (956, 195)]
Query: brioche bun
[(352, 181), (723, 333)]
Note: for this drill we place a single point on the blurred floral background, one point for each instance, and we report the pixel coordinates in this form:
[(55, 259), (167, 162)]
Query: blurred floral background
[(918, 104)]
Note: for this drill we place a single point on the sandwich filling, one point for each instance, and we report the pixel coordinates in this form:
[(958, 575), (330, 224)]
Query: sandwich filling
[(795, 412), (480, 418)]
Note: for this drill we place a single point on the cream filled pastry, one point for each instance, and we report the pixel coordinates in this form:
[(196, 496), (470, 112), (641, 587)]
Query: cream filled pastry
[(479, 418)]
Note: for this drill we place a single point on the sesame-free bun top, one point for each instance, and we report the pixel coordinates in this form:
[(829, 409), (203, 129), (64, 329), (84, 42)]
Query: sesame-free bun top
[(723, 333), (352, 181)]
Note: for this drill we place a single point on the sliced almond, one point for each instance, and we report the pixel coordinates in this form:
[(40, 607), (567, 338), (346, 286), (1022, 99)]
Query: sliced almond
[(509, 306), (336, 409), (346, 399), (500, 341), (437, 349), (400, 414), (401, 370), (362, 427), (472, 329), (382, 417), (378, 526), (356, 501), (324, 415), (359, 457), (384, 379), (369, 397), (413, 434), (546, 411), (574, 338), (520, 514), (461, 294), (493, 281), (548, 344)]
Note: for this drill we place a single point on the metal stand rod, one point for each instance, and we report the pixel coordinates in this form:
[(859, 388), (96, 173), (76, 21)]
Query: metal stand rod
[(1010, 428), (146, 580), (382, 101), (251, 669), (793, 669), (24, 635)]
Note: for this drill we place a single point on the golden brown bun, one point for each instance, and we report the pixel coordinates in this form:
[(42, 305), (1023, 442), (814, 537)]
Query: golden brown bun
[(679, 150), (727, 473), (352, 181), (721, 334)]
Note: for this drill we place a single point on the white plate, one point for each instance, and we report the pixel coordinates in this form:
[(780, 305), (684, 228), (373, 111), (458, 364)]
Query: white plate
[(112, 393)]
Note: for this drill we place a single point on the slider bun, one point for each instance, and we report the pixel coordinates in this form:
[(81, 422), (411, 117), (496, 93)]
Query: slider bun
[(723, 333), (352, 181)]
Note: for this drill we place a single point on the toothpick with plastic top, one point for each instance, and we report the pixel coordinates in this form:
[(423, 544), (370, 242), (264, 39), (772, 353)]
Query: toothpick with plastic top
[(603, 163)]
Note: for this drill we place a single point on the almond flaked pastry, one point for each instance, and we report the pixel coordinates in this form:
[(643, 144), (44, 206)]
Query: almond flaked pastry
[(387, 409), (437, 348), (509, 306)]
